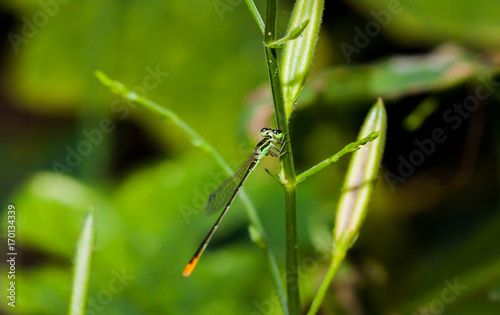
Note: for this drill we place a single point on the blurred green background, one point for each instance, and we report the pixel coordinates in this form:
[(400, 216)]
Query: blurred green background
[(429, 245)]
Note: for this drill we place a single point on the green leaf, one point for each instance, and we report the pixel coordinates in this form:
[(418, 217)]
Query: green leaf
[(396, 77), (361, 176), (291, 35), (427, 22), (298, 54)]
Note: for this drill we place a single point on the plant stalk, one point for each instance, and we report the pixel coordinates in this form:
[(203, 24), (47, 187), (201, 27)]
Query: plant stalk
[(287, 169)]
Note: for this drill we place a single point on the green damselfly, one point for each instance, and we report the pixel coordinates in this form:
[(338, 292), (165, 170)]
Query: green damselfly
[(224, 195)]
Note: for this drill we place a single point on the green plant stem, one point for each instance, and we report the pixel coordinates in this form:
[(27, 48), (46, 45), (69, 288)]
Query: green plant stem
[(256, 15), (198, 141), (351, 147), (338, 256), (287, 170)]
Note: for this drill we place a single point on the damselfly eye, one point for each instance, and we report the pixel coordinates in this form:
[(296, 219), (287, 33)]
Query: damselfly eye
[(278, 133), (264, 132)]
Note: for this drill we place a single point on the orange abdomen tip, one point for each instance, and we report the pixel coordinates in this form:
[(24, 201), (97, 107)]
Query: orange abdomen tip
[(190, 267)]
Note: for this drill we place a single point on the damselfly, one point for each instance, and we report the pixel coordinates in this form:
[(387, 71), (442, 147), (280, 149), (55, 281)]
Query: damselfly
[(224, 195)]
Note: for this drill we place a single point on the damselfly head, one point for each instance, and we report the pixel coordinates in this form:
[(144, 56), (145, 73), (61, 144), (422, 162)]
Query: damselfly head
[(271, 133)]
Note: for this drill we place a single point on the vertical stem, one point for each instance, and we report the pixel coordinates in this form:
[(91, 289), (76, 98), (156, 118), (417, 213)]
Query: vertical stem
[(292, 275), (287, 170)]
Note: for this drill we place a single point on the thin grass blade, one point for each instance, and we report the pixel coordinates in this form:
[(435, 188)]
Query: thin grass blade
[(83, 266)]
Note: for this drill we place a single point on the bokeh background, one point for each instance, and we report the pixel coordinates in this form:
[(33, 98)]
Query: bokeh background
[(429, 245)]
